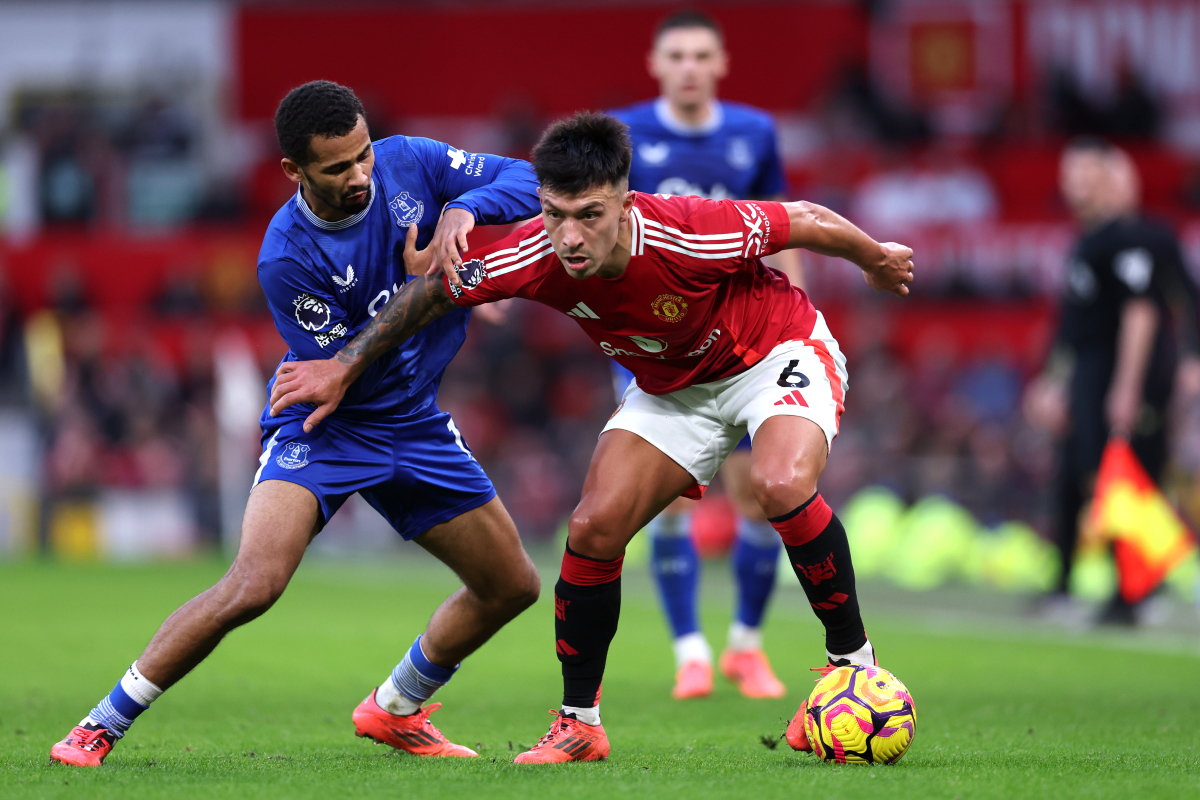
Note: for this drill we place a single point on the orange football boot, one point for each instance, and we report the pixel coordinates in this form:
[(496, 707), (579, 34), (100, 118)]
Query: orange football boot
[(751, 672), (85, 746), (568, 740), (413, 733), (694, 679)]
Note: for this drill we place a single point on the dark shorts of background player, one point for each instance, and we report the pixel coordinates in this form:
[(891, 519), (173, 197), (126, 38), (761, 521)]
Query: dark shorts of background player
[(1080, 452), (623, 377), (416, 472)]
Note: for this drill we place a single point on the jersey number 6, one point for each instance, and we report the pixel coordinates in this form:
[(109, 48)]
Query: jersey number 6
[(790, 379)]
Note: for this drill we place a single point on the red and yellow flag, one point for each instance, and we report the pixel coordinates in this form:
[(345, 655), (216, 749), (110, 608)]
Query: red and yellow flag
[(1149, 537)]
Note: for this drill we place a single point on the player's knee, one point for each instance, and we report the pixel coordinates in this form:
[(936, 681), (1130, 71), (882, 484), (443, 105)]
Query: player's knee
[(778, 491), (248, 593), (526, 590), (597, 536)]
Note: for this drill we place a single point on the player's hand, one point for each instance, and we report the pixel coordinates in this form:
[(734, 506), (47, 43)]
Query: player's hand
[(320, 382), (1121, 408), (494, 313), (416, 262), (894, 272), (450, 242)]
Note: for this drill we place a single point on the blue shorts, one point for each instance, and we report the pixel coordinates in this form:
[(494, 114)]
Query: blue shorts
[(623, 377), (416, 472)]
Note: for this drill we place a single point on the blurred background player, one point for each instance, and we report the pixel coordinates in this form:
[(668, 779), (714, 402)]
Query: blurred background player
[(321, 271), (1128, 312), (688, 142)]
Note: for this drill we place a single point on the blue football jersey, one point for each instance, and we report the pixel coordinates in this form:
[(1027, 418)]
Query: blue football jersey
[(324, 281), (732, 156)]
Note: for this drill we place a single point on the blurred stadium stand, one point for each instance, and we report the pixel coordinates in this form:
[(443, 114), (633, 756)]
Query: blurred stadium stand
[(139, 169)]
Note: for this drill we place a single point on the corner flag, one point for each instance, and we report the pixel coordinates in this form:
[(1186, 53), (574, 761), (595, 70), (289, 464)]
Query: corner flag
[(1149, 538)]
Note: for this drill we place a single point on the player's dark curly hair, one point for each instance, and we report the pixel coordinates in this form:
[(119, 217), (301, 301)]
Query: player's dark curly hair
[(581, 152), (318, 108)]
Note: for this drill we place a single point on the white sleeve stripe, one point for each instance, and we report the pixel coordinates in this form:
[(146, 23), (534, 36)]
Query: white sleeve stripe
[(695, 237), (636, 232), (639, 232), (666, 246), (546, 250), (663, 237), (525, 244)]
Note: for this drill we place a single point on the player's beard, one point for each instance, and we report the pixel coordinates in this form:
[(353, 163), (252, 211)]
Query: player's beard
[(341, 202)]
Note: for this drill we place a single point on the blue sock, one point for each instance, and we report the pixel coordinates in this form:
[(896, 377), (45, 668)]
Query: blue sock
[(676, 567), (117, 711), (417, 678), (755, 556)]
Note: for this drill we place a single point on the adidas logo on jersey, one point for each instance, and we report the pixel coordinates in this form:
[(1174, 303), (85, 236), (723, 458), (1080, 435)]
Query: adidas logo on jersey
[(582, 311)]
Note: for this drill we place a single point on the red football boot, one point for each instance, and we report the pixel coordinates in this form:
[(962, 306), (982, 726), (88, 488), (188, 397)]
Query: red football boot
[(413, 733), (85, 746), (568, 740)]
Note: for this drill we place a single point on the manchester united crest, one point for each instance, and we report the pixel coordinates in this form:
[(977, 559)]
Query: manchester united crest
[(669, 307)]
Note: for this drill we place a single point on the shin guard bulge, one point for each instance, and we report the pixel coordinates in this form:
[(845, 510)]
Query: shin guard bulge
[(819, 552), (587, 605)]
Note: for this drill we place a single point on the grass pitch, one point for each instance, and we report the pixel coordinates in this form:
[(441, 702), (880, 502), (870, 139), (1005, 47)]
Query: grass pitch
[(1004, 709)]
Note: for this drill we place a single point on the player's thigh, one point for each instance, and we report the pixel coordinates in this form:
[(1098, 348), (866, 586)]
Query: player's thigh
[(735, 475), (483, 548), (629, 482), (281, 519)]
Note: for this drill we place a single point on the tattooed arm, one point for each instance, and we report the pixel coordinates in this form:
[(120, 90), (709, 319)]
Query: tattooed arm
[(324, 383)]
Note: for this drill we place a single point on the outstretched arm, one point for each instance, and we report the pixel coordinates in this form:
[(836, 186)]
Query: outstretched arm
[(420, 302), (887, 267)]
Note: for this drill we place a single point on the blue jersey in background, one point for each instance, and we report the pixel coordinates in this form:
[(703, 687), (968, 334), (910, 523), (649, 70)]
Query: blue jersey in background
[(324, 281), (732, 156)]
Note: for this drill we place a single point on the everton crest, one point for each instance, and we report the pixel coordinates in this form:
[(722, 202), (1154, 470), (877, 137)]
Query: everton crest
[(294, 456), (407, 209)]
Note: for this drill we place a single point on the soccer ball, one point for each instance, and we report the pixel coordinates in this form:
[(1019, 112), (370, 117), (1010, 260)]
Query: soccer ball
[(860, 715)]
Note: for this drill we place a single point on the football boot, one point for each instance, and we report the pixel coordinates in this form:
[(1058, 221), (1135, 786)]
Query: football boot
[(85, 746), (568, 740), (694, 679), (751, 672), (413, 733)]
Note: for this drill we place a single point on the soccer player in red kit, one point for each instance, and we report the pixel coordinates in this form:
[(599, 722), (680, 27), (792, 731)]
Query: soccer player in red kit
[(673, 289)]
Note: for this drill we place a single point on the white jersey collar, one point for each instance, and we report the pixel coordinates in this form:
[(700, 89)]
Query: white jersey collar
[(341, 224), (662, 110)]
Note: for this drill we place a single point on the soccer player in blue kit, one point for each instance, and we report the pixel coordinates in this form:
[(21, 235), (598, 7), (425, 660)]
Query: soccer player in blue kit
[(331, 257), (687, 142)]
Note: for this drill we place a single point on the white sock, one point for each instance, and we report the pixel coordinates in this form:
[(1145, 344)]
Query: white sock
[(588, 716), (742, 637), (139, 689), (862, 657), (692, 647), (389, 698)]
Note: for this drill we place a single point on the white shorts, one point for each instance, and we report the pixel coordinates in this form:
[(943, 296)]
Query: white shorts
[(698, 427)]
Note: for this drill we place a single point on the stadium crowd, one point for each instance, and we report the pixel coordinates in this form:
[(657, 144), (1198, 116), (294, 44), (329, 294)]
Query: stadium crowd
[(133, 407)]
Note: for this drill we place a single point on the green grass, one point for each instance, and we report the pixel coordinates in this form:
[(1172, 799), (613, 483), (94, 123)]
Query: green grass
[(1006, 710)]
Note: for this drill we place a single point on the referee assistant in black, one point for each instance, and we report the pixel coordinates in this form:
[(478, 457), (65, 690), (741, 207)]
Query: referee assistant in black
[(1128, 311)]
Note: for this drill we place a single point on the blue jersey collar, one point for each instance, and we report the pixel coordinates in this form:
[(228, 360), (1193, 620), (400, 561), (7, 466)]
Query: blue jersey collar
[(341, 224), (662, 110)]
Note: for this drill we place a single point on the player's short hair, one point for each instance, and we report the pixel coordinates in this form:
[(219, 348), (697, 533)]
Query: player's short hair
[(686, 19), (318, 108), (578, 153), (1091, 144)]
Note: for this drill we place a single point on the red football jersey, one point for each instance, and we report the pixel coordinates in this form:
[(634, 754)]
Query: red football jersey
[(694, 305)]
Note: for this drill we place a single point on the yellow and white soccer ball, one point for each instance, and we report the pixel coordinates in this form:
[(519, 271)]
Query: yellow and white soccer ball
[(860, 715)]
